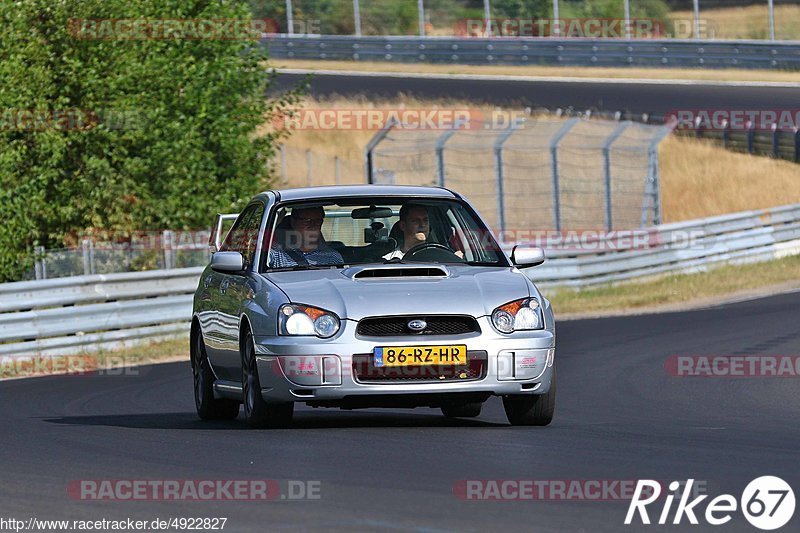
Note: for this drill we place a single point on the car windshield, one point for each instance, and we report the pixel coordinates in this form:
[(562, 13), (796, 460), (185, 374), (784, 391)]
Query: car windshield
[(325, 234)]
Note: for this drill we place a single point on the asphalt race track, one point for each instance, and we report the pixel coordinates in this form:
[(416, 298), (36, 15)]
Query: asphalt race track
[(635, 98), (619, 417)]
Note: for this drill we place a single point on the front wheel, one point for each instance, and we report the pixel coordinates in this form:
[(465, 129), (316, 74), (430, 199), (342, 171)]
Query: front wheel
[(530, 410), (208, 407), (257, 412)]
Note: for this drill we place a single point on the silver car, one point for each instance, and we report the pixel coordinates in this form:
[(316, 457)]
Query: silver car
[(368, 296)]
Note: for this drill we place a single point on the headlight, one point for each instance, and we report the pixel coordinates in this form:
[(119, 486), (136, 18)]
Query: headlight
[(524, 314), (294, 319)]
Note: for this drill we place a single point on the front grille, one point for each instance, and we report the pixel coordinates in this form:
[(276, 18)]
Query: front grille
[(396, 326), (364, 371)]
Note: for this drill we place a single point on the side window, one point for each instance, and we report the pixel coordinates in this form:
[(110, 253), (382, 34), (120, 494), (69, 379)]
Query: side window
[(250, 235), (233, 240), (243, 236)]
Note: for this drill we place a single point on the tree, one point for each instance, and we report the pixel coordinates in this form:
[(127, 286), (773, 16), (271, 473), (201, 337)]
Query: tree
[(173, 126)]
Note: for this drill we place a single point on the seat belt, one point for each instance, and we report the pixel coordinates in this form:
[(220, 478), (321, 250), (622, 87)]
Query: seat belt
[(298, 256)]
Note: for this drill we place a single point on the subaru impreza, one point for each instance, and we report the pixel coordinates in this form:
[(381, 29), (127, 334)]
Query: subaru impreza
[(368, 296)]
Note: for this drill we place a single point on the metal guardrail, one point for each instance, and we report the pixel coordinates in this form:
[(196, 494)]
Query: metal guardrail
[(71, 315), (690, 246), (540, 51)]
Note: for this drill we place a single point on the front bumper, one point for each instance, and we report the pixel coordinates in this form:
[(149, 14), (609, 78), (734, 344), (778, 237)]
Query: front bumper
[(322, 371)]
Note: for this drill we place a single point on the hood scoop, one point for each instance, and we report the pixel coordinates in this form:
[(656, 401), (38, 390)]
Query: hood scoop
[(396, 271)]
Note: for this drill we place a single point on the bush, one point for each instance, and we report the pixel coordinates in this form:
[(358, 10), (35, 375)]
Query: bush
[(176, 140)]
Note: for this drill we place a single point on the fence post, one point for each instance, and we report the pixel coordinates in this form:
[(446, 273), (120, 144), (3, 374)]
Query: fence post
[(653, 179), (751, 130), (357, 17), (726, 133), (568, 125), (169, 252), (797, 145), (87, 260), (337, 170), (284, 171), (39, 267), (498, 169), (776, 145), (309, 167), (440, 142), (369, 163), (421, 12), (621, 127)]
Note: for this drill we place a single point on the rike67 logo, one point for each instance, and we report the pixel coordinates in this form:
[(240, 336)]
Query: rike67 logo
[(767, 503)]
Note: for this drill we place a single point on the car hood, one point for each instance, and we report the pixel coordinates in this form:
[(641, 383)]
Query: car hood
[(468, 290)]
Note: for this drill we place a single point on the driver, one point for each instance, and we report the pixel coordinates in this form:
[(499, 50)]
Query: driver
[(415, 225), (310, 248)]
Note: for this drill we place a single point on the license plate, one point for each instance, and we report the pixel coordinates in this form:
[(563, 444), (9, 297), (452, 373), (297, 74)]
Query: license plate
[(420, 355)]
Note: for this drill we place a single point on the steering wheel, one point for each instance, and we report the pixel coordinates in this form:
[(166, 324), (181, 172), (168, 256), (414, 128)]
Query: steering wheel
[(434, 247)]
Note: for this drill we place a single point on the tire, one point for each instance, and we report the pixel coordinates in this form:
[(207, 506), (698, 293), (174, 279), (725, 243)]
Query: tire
[(466, 410), (257, 412), (531, 410), (208, 407)]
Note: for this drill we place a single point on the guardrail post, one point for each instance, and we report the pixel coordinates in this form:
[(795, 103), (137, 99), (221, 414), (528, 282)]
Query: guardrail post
[(440, 168), (621, 127), (498, 169), (369, 163), (169, 249), (568, 125)]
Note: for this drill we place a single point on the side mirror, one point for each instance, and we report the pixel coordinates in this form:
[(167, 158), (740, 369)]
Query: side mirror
[(227, 262), (527, 257)]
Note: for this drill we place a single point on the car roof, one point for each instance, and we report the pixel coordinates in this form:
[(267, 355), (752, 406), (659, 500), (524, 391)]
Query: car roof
[(351, 191)]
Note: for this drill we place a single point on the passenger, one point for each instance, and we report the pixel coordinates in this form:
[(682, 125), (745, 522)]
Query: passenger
[(306, 245)]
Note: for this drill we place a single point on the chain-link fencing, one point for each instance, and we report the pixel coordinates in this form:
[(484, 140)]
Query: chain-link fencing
[(544, 173)]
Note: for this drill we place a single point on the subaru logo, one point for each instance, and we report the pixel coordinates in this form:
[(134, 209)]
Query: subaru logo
[(417, 325)]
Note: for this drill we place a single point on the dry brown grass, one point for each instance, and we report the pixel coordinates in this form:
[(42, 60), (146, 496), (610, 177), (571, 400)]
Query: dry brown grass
[(547, 71), (700, 179), (751, 22)]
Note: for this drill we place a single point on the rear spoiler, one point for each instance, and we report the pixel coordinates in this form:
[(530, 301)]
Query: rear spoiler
[(216, 238)]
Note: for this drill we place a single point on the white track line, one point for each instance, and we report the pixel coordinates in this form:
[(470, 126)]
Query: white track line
[(540, 79)]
